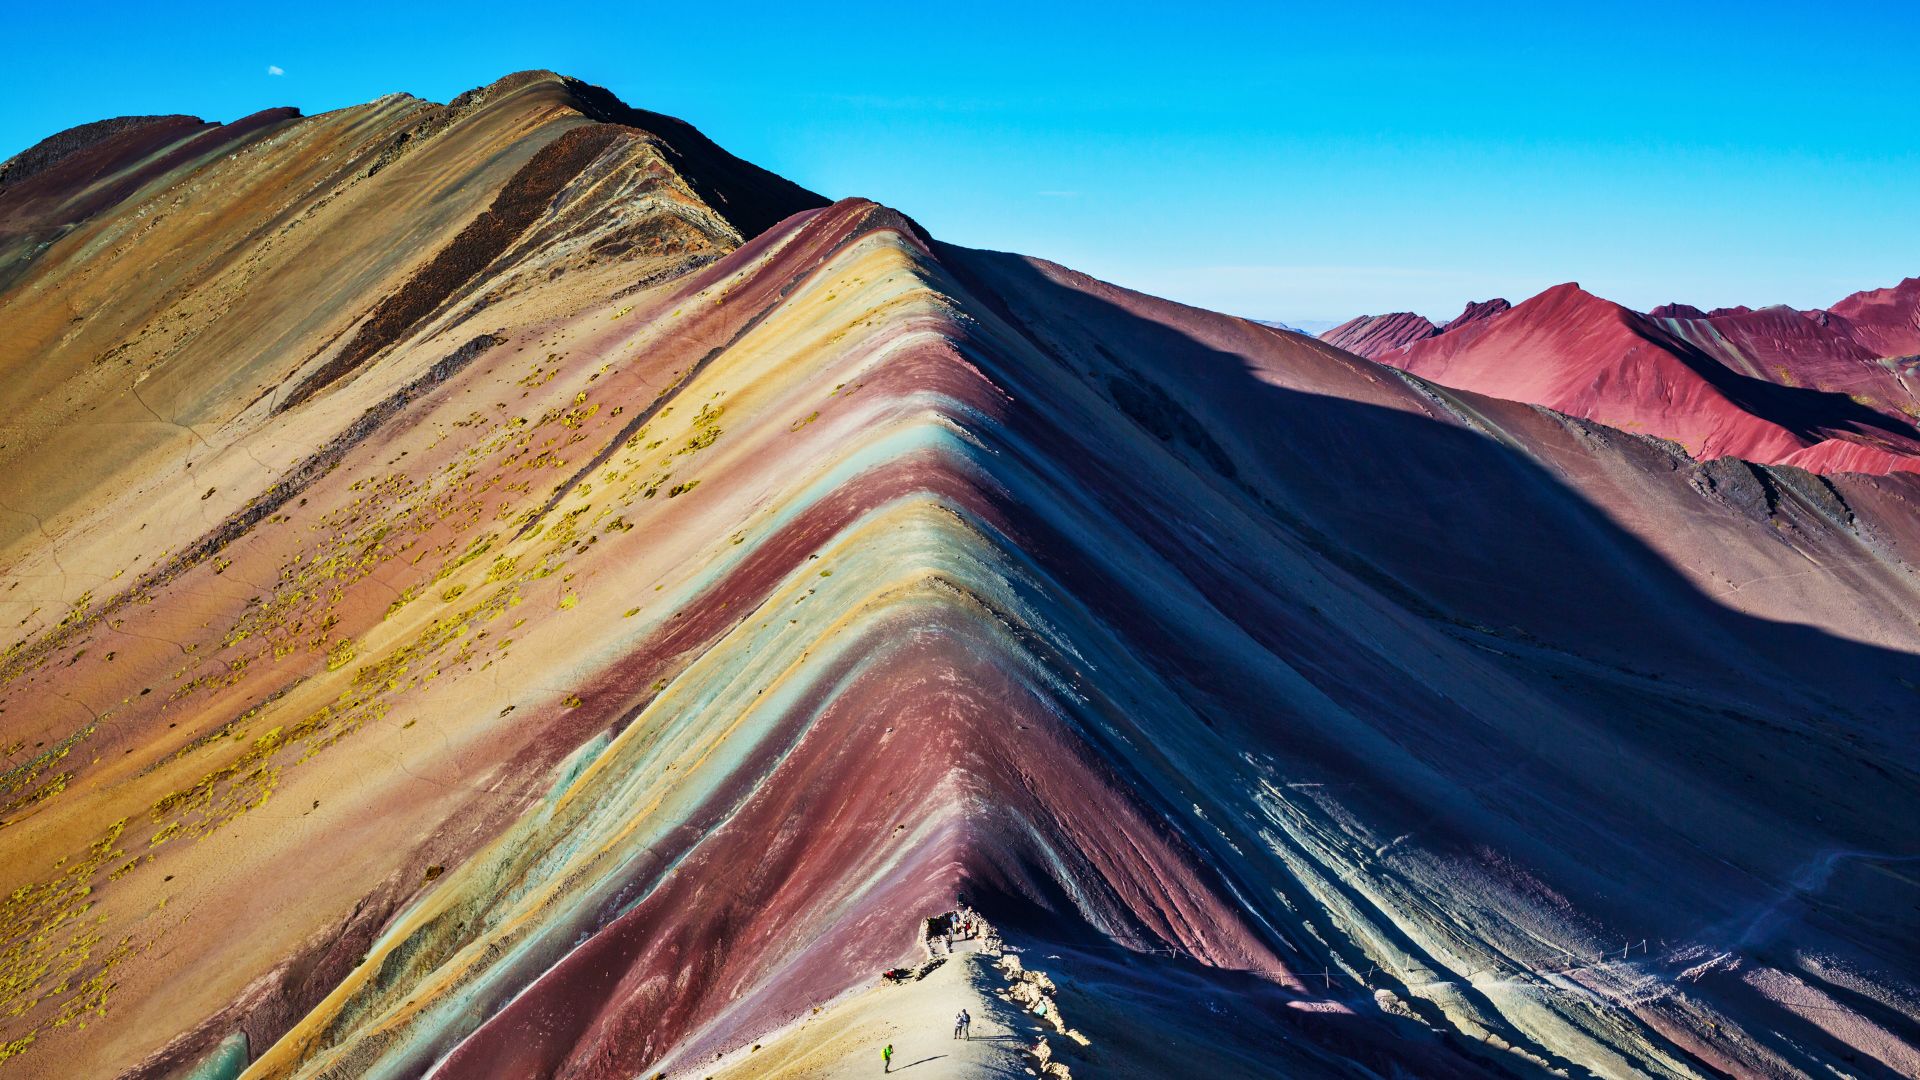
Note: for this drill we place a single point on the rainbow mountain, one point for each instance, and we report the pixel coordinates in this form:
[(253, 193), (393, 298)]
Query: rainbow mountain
[(508, 589)]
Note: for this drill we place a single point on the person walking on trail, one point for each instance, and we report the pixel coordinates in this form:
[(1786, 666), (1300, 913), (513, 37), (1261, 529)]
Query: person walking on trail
[(886, 1058), (961, 1026)]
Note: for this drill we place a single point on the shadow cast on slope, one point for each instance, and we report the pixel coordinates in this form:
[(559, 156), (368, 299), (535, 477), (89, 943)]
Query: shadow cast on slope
[(1792, 726), (750, 197), (1469, 529), (1806, 412)]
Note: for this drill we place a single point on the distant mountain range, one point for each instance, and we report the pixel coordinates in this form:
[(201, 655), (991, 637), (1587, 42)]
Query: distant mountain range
[(1309, 327), (1835, 390)]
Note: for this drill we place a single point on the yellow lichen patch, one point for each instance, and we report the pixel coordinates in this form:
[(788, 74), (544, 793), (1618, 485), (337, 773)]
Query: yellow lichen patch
[(48, 973), (706, 429), (406, 597), (21, 786), (341, 654), (48, 950)]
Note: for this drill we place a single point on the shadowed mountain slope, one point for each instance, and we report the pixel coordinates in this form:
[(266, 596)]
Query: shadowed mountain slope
[(608, 671)]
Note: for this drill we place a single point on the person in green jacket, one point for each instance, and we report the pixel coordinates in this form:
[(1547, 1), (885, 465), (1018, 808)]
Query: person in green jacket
[(886, 1058)]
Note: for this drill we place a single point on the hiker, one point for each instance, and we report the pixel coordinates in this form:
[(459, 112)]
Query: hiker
[(886, 1058), (960, 1025)]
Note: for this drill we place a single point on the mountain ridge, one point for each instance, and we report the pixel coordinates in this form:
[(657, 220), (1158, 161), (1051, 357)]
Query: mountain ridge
[(611, 671), (1729, 382)]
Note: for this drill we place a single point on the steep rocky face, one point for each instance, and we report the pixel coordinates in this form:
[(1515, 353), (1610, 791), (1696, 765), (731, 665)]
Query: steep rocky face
[(561, 628)]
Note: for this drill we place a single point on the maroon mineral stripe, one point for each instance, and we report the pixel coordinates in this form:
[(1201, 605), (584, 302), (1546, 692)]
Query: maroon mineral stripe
[(673, 964), (88, 182)]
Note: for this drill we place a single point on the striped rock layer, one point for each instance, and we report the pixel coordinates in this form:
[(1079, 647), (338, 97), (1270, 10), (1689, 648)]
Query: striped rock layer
[(506, 589)]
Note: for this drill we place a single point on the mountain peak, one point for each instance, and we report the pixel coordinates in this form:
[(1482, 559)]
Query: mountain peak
[(507, 588), (1477, 310), (1565, 301), (1885, 320), (1584, 355), (51, 150), (749, 197), (1677, 311), (1374, 335), (1565, 292)]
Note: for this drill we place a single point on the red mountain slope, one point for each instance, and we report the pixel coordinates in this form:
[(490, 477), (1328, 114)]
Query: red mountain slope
[(1700, 382), (1821, 350), (1885, 320)]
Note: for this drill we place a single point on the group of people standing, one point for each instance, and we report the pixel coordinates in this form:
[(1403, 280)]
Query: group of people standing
[(944, 930), (962, 1029)]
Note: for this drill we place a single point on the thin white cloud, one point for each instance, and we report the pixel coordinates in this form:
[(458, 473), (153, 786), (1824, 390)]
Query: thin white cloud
[(276, 69)]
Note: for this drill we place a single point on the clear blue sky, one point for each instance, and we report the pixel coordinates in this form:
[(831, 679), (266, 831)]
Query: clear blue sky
[(1297, 162)]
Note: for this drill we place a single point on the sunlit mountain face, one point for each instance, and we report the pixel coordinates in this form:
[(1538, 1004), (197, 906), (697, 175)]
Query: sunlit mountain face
[(508, 589), (1829, 391)]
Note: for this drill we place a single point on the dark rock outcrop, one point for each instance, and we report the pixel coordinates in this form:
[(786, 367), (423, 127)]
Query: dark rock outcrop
[(1477, 310)]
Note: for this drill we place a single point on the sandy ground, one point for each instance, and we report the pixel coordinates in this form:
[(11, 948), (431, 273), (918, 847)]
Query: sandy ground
[(844, 1039)]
